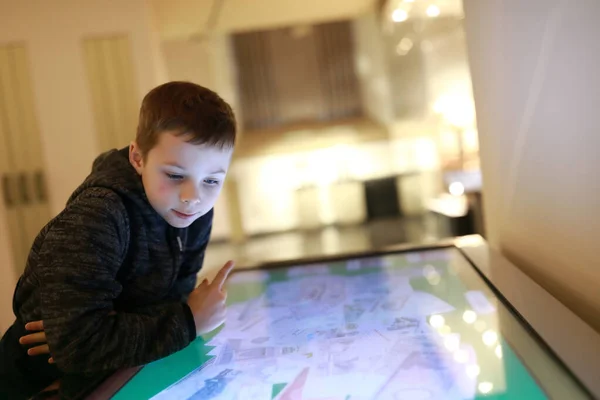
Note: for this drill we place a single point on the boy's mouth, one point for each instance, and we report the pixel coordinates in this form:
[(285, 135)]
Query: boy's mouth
[(184, 215)]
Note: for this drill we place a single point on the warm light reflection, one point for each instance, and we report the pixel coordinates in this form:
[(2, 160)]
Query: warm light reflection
[(432, 276), (456, 109), (461, 356), (473, 371), (499, 351), (469, 316), (428, 269), (322, 167), (404, 46), (452, 343), (485, 387), (469, 241), (437, 321), (490, 337), (399, 15), (470, 140)]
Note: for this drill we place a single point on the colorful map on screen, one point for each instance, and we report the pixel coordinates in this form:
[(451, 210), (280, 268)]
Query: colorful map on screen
[(398, 327)]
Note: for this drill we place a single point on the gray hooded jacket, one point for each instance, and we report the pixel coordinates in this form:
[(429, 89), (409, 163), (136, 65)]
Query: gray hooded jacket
[(109, 278)]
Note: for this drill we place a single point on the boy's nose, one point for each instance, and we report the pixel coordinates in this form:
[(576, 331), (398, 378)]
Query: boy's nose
[(190, 196), (188, 201)]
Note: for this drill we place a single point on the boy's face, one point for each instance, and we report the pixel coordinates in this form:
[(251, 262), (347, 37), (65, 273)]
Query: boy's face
[(182, 180)]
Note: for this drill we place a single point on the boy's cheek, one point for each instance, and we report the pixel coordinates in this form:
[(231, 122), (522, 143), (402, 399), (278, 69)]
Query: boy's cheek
[(163, 190)]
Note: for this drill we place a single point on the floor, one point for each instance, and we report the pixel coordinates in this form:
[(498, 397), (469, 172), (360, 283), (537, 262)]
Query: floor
[(327, 241)]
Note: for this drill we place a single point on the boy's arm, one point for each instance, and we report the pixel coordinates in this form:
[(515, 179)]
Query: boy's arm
[(79, 260), (198, 238)]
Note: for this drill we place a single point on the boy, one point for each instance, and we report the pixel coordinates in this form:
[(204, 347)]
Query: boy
[(112, 277)]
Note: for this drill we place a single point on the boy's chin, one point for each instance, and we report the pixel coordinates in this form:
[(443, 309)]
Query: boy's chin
[(179, 225)]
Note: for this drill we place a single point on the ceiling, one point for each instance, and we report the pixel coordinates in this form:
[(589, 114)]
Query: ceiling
[(183, 19), (418, 8)]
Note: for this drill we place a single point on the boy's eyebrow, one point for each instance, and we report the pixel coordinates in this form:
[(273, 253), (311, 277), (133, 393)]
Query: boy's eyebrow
[(174, 165), (219, 171)]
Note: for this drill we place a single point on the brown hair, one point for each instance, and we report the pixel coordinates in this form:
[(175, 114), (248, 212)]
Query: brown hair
[(186, 109)]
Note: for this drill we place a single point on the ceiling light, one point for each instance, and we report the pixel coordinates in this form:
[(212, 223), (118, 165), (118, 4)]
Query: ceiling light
[(399, 15), (433, 11), (404, 46), (456, 189)]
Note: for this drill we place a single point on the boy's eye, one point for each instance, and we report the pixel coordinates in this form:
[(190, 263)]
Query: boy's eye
[(211, 182), (174, 177)]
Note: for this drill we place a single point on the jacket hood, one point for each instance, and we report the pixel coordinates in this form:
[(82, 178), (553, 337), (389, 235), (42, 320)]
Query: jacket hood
[(112, 170)]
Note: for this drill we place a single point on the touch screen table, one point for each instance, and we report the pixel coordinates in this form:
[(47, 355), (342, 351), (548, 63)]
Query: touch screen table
[(435, 322)]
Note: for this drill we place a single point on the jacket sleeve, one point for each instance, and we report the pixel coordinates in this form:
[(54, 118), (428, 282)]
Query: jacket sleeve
[(79, 259), (195, 248)]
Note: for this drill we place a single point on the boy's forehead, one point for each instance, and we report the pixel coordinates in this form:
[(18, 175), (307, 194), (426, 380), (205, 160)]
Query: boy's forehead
[(176, 151), (218, 170)]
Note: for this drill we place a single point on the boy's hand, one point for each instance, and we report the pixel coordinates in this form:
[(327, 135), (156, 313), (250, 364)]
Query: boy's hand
[(39, 337), (34, 338), (207, 302)]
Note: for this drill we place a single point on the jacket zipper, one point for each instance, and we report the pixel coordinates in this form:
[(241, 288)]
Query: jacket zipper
[(178, 252)]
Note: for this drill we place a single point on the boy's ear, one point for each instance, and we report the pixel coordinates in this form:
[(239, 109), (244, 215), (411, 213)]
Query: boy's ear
[(135, 157)]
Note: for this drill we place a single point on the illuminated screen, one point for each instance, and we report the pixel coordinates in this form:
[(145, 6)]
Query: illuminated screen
[(415, 325)]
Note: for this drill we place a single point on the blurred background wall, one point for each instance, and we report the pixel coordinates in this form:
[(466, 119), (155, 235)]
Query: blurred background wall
[(8, 273), (57, 60), (357, 117)]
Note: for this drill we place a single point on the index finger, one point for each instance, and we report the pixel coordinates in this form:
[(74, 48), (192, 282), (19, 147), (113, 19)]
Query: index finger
[(223, 274)]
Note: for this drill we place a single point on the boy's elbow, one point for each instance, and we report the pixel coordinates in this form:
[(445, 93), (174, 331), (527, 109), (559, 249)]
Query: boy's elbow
[(84, 357), (80, 365), (78, 362)]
